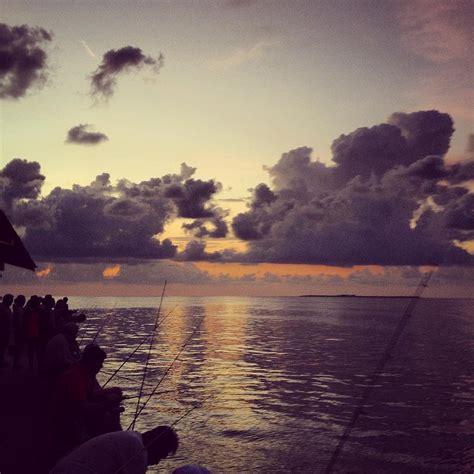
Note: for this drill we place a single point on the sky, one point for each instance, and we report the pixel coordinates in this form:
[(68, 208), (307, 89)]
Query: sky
[(239, 147)]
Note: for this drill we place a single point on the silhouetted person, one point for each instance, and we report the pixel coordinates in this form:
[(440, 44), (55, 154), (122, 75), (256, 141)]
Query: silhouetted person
[(46, 322), (5, 326), (63, 315), (18, 330), (32, 330), (62, 350), (81, 408), (125, 452)]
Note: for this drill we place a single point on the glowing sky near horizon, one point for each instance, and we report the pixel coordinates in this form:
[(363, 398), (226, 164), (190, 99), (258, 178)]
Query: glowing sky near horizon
[(242, 83)]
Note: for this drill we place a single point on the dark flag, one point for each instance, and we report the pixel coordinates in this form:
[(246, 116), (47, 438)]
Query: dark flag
[(12, 250)]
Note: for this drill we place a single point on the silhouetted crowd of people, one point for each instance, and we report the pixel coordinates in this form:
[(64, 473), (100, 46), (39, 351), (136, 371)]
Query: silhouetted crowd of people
[(84, 417), (30, 326)]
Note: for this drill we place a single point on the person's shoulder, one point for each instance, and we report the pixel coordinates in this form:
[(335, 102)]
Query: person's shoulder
[(122, 438)]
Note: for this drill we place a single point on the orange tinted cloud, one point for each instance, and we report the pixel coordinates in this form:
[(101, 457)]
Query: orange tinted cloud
[(261, 269), (44, 273), (111, 272)]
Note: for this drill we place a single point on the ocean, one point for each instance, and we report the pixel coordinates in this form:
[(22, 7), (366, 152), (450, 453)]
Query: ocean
[(269, 384)]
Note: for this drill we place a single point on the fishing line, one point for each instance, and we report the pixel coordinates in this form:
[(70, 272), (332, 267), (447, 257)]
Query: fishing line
[(378, 370), (190, 410), (131, 397), (138, 347), (169, 391), (124, 377), (106, 319), (85, 326), (148, 356), (139, 410)]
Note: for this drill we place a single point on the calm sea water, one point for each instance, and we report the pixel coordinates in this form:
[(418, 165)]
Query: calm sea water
[(274, 381)]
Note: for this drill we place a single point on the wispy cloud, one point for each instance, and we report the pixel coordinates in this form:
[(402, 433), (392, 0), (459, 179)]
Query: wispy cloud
[(241, 56), (88, 49), (440, 33)]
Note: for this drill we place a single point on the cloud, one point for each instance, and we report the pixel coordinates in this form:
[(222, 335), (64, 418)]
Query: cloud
[(112, 271), (191, 197), (218, 230), (81, 135), (195, 251), (361, 210), (440, 33), (19, 179), (45, 272), (104, 221), (23, 61), (119, 61), (148, 272), (240, 56)]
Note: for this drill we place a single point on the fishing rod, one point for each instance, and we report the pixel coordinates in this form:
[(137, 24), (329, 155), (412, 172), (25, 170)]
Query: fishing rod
[(124, 377), (169, 391), (153, 440), (378, 370), (83, 332), (85, 327), (137, 347), (104, 322), (188, 340), (148, 356), (131, 397)]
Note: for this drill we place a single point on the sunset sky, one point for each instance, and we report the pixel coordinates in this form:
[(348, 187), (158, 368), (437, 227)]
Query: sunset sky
[(306, 146)]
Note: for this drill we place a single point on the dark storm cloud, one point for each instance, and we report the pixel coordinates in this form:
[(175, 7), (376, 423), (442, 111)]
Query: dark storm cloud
[(390, 199), (406, 138), (200, 229), (81, 135), (116, 62), (192, 197), (104, 221), (23, 61), (460, 214), (426, 133), (195, 251), (19, 179)]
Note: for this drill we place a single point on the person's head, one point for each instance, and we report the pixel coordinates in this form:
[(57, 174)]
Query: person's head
[(34, 301), (20, 300), (160, 442), (60, 304), (93, 358), (7, 299), (48, 302), (70, 331)]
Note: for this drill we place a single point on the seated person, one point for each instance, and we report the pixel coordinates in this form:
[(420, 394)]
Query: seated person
[(126, 452), (62, 350), (81, 408)]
